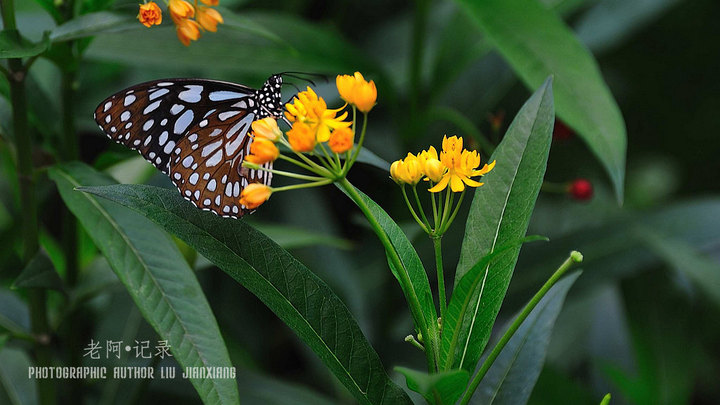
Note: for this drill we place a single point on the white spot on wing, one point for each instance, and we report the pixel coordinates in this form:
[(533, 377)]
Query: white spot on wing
[(152, 107), (107, 106), (169, 147), (214, 159), (158, 93), (148, 124), (225, 95), (187, 161), (125, 115), (193, 94), (211, 185), (176, 108), (227, 114), (194, 178), (129, 100), (210, 148), (163, 138), (182, 123)]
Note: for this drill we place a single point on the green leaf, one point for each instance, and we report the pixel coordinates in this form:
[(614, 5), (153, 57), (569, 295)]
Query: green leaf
[(12, 45), (303, 301), (500, 213), (440, 388), (15, 386), (410, 260), (606, 399), (702, 270), (512, 376), (39, 273), (101, 22), (157, 277), (536, 43), (460, 315), (14, 314), (294, 237)]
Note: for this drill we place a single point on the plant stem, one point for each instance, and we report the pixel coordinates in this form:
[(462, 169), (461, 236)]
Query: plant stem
[(428, 331), (420, 207), (303, 185), (412, 210), (452, 217), (441, 278), (575, 257), (36, 297), (359, 144)]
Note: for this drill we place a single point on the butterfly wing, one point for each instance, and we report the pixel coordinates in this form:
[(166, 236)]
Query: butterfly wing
[(153, 117), (207, 167)]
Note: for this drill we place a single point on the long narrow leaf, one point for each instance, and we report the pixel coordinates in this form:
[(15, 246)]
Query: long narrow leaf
[(303, 301), (157, 277), (536, 42), (499, 214)]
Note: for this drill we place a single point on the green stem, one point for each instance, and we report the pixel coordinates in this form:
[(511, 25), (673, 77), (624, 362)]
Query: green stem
[(575, 257), (288, 174), (441, 278), (436, 214), (428, 331), (303, 185), (297, 163), (37, 297), (452, 217), (420, 207), (412, 210), (359, 144)]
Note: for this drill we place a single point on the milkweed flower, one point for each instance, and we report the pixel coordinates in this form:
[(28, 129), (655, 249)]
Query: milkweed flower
[(150, 14), (408, 170), (208, 18), (312, 110), (187, 30), (301, 137), (180, 10), (461, 166), (357, 91), (341, 140), (267, 128), (254, 194), (211, 2), (262, 151)]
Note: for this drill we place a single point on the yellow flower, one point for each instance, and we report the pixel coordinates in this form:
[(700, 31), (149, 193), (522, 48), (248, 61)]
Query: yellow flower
[(357, 91), (150, 14), (187, 30), (266, 128), (431, 165), (180, 9), (461, 166), (408, 170), (208, 18), (262, 151), (312, 110), (254, 195), (341, 140), (301, 137)]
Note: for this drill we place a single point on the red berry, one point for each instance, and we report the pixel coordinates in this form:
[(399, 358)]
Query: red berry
[(581, 189), (561, 131)]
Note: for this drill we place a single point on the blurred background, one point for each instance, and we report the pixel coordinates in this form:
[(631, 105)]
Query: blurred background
[(641, 322)]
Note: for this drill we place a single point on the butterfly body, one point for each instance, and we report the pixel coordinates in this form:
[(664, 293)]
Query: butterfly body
[(196, 132)]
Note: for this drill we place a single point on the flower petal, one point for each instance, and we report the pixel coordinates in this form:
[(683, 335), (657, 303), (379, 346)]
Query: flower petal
[(440, 186)]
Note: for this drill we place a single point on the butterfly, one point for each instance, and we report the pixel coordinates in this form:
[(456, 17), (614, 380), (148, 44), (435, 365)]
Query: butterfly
[(196, 132)]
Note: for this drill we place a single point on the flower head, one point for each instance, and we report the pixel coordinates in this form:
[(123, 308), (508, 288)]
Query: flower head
[(150, 14), (461, 165), (267, 128), (408, 170), (341, 140), (301, 137), (180, 9), (254, 194), (357, 91), (187, 30), (208, 18), (312, 110), (262, 151)]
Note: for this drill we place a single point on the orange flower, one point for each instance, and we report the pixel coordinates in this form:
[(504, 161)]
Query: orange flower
[(310, 109), (262, 151), (267, 128), (150, 14), (180, 9), (301, 137), (341, 140), (254, 195), (357, 91), (187, 30), (208, 18), (211, 2)]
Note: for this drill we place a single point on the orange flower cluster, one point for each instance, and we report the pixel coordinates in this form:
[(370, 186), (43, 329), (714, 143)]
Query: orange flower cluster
[(189, 19)]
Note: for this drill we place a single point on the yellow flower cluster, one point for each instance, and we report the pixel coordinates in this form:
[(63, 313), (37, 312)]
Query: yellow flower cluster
[(313, 125), (456, 166), (182, 13)]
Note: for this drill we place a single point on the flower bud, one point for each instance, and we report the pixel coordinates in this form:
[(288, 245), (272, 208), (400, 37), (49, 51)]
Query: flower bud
[(434, 170), (267, 128), (410, 171), (150, 14), (341, 140), (357, 91), (262, 151), (181, 9), (187, 30), (208, 18), (254, 194), (301, 137)]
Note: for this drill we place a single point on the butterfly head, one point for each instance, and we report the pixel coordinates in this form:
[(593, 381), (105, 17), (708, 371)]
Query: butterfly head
[(270, 97)]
